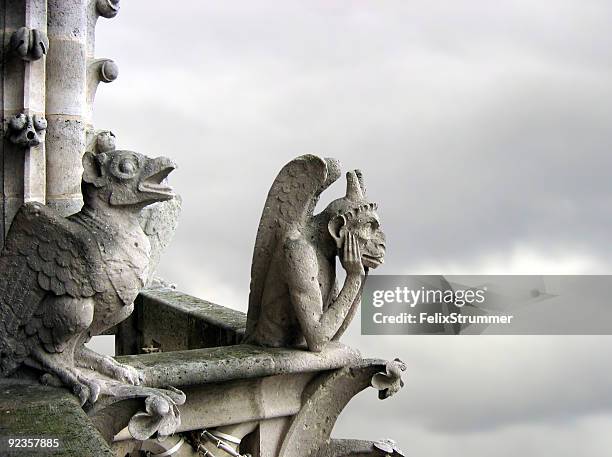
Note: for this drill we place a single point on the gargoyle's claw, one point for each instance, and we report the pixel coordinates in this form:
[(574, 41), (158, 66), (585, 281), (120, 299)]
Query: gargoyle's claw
[(94, 392), (87, 393), (128, 374), (82, 392), (88, 390)]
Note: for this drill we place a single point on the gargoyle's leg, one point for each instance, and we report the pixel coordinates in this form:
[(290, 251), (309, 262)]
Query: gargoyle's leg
[(56, 363), (86, 358)]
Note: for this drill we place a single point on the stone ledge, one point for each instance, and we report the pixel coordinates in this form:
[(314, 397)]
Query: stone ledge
[(170, 320), (215, 315), (31, 410), (226, 363)]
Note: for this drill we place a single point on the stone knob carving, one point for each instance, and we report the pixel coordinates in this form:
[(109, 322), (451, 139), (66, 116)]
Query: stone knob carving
[(26, 130), (107, 8), (105, 141), (29, 44), (161, 415), (109, 71), (389, 382)]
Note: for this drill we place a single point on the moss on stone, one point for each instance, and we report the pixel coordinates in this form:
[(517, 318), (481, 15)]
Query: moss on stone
[(30, 410)]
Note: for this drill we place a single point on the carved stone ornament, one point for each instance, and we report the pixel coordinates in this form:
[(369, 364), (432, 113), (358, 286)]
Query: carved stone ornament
[(107, 8), (29, 44), (294, 299), (389, 447), (389, 382), (26, 130), (65, 280)]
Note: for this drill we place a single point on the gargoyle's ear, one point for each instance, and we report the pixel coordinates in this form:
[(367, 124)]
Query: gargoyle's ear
[(335, 226), (92, 173)]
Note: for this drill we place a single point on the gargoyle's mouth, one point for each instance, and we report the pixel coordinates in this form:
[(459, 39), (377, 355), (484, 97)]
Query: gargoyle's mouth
[(155, 183), (371, 261)]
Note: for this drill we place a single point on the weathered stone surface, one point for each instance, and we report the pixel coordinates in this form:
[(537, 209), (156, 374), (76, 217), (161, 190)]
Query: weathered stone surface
[(204, 311), (324, 400), (267, 440), (175, 321), (294, 296), (168, 320), (14, 14), (202, 366), (65, 140), (27, 130), (230, 405), (33, 410), (23, 45), (159, 222), (66, 71), (107, 8), (67, 19), (66, 90), (29, 44), (14, 90), (98, 70)]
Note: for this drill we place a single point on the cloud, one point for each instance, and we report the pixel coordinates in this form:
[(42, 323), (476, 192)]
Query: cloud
[(585, 436)]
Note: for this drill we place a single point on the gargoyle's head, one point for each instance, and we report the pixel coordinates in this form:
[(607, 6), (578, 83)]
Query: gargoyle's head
[(125, 178), (354, 214)]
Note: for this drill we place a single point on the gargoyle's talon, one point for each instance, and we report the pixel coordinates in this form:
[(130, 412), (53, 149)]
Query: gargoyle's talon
[(94, 392), (90, 389), (81, 391), (128, 374)]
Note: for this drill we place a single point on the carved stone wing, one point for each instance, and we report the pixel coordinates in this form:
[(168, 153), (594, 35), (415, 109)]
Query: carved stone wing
[(290, 203), (159, 222), (44, 254)]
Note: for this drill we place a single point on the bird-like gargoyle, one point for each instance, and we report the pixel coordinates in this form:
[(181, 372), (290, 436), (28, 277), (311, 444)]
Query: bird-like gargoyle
[(64, 280), (294, 297)]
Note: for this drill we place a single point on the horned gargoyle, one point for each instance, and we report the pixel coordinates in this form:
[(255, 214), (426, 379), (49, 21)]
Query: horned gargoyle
[(294, 297), (64, 280)]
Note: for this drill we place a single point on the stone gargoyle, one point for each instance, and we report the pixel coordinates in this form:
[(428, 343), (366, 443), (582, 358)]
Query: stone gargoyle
[(64, 280), (294, 297)]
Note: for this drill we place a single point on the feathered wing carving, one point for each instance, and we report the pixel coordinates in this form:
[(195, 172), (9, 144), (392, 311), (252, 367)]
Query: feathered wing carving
[(44, 254), (290, 203)]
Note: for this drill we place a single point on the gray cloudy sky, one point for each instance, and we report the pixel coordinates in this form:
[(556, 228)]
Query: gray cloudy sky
[(483, 129)]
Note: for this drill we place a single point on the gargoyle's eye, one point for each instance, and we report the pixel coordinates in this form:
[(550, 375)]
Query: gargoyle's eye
[(126, 168)]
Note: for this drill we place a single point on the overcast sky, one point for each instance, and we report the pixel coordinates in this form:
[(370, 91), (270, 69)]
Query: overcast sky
[(483, 130)]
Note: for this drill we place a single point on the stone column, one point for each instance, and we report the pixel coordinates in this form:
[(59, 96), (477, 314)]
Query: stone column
[(72, 77), (22, 102), (48, 81)]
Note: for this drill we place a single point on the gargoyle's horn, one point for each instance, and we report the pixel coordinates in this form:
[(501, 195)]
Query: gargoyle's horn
[(353, 187), (361, 182)]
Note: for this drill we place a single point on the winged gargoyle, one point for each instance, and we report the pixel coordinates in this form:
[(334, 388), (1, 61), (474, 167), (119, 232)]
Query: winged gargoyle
[(294, 297), (64, 280)]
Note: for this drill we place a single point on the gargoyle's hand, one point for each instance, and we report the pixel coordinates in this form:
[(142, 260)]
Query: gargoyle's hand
[(351, 256)]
